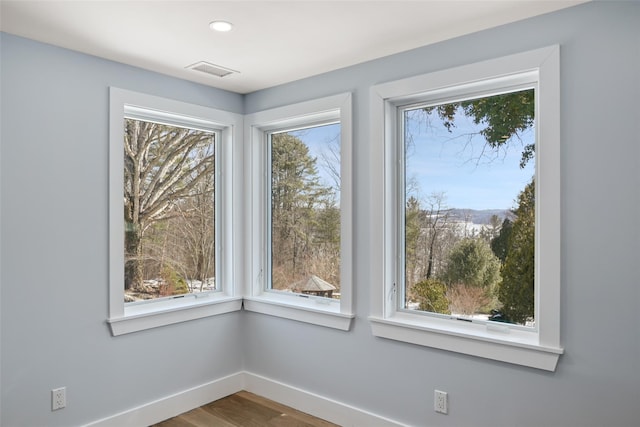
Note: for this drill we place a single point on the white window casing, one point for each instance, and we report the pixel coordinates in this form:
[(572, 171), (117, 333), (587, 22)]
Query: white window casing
[(127, 318), (537, 347), (336, 314)]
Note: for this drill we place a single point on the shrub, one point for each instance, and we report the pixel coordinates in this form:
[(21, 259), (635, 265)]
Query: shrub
[(173, 283), (431, 294)]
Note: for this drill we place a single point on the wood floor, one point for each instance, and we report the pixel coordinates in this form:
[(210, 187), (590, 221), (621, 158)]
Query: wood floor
[(244, 409)]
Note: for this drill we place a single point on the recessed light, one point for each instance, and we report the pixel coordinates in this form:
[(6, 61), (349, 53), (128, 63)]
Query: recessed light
[(222, 26)]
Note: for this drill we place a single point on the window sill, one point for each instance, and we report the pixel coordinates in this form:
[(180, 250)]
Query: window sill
[(153, 315), (317, 311), (517, 347)]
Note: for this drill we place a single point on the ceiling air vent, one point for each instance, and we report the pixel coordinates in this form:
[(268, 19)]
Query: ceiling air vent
[(212, 69)]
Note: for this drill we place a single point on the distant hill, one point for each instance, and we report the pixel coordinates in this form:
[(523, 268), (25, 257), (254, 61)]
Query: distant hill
[(478, 216)]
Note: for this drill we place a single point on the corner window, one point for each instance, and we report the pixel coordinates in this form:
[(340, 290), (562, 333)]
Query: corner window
[(469, 255), (301, 212), (167, 220)]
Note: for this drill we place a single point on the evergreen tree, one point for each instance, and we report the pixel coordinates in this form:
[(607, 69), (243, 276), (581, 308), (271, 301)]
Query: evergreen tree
[(499, 243), (503, 115), (296, 199), (472, 263), (516, 291)]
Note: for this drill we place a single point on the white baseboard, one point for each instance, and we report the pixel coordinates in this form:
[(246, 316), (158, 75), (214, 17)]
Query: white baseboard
[(170, 406), (302, 400), (316, 405)]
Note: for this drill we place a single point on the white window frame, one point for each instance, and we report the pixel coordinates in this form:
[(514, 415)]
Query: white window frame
[(127, 318), (336, 314), (538, 348)]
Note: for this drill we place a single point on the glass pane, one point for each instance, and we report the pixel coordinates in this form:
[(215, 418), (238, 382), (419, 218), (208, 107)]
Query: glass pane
[(305, 211), (469, 208), (169, 210)]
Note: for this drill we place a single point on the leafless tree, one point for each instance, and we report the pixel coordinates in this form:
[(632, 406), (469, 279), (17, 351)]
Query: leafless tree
[(437, 221), (163, 166)]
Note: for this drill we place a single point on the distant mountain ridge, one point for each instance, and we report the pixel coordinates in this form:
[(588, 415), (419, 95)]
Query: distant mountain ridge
[(478, 216)]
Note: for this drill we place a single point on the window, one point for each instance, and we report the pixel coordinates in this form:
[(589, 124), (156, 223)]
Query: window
[(470, 156), (467, 219), (305, 211), (300, 158), (170, 212)]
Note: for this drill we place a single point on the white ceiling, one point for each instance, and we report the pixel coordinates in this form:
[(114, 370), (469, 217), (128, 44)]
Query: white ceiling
[(272, 42)]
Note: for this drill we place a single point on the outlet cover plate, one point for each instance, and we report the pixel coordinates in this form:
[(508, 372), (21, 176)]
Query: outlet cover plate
[(58, 398), (440, 402)]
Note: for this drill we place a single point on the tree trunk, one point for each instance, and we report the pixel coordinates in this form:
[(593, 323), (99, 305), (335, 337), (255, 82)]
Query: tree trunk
[(133, 258)]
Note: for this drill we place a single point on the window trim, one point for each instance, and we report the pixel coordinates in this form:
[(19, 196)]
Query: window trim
[(540, 348), (336, 314), (125, 319)]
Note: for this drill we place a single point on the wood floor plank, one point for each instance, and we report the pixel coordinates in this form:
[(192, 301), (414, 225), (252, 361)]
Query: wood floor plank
[(201, 418), (286, 421), (174, 422), (244, 409), (290, 412), (240, 411)]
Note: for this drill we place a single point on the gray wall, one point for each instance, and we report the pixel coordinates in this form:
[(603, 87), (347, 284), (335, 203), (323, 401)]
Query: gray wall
[(54, 248), (55, 241), (597, 382)]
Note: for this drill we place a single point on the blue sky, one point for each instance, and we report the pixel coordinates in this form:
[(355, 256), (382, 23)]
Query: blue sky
[(453, 163), (323, 142), (445, 162)]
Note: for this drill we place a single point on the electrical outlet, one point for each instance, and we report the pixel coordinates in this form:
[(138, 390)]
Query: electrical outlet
[(58, 398), (440, 402)]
